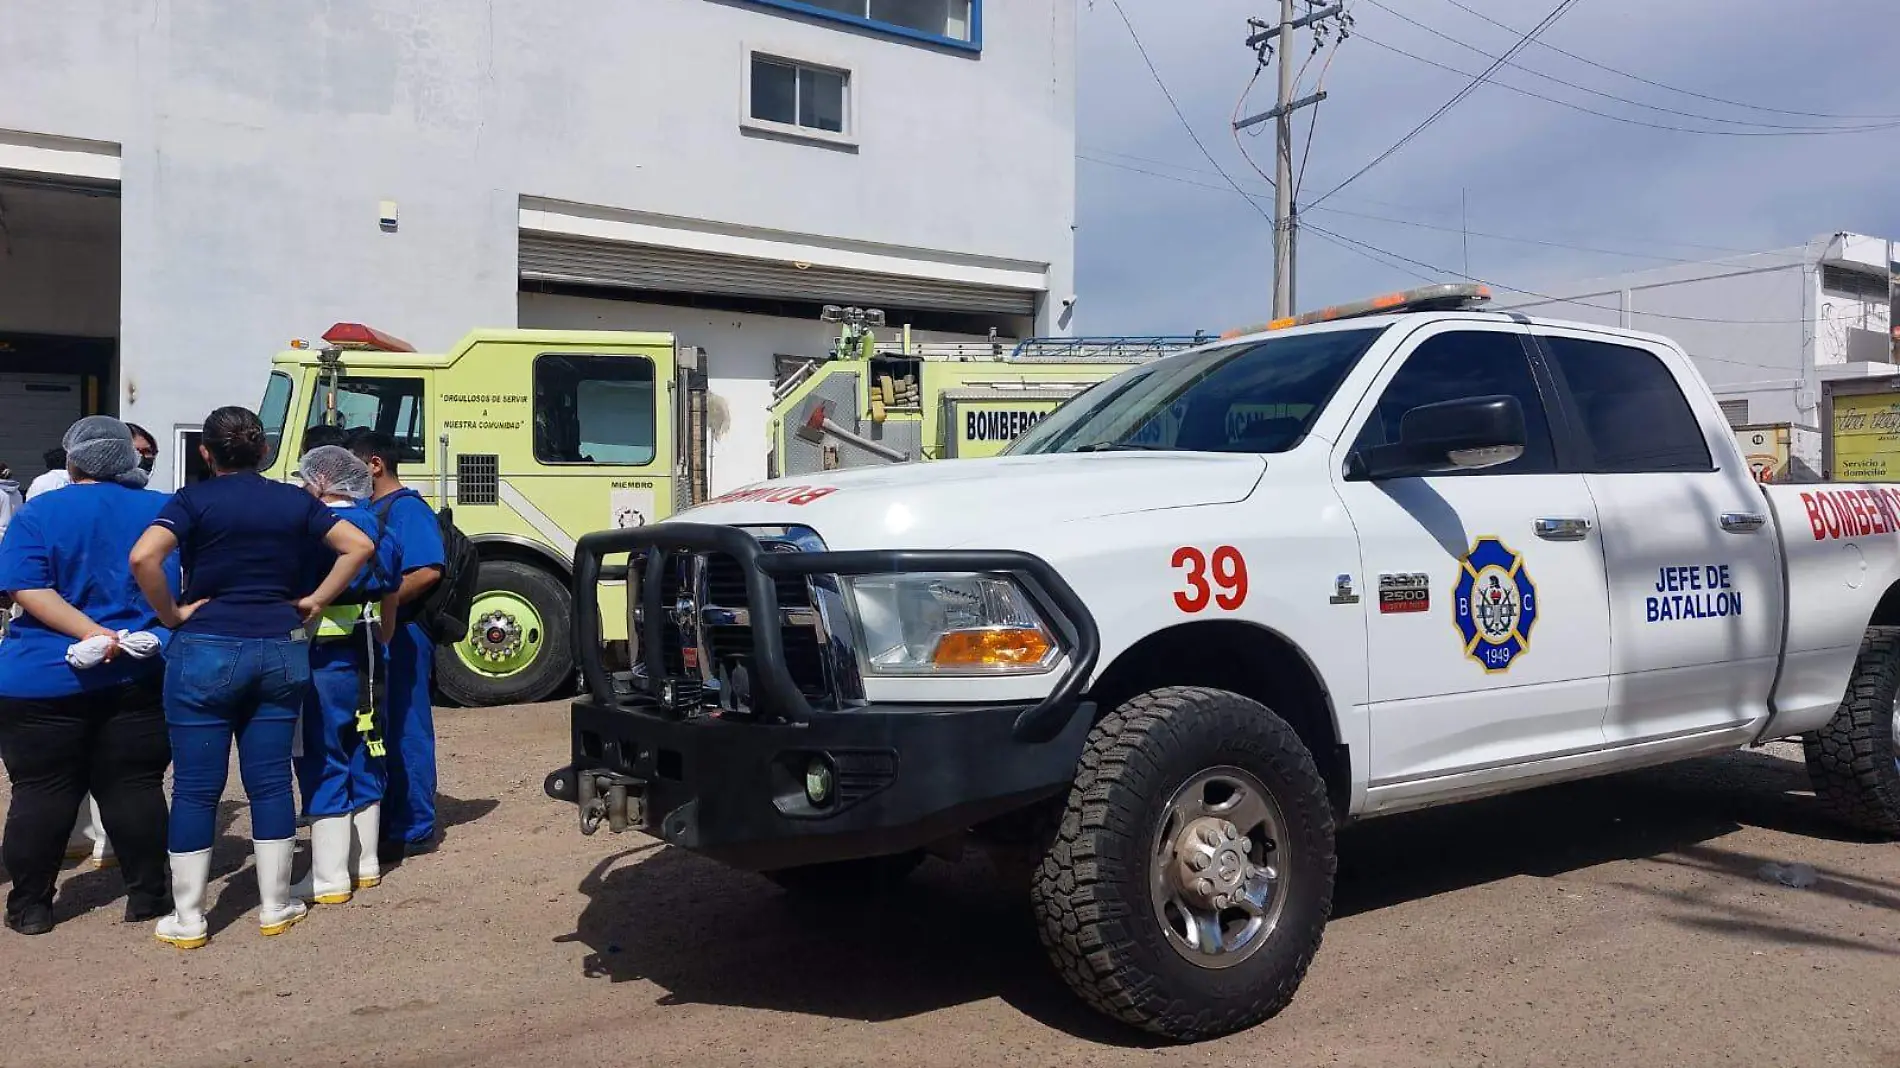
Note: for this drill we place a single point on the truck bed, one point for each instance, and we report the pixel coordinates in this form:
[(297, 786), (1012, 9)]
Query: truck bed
[(1841, 546)]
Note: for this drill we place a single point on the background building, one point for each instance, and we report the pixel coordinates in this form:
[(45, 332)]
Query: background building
[(185, 187), (1777, 334)]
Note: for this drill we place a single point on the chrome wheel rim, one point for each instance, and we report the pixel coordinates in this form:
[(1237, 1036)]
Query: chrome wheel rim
[(1218, 868)]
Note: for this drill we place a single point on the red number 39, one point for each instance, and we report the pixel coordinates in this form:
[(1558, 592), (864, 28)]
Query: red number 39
[(1229, 572)]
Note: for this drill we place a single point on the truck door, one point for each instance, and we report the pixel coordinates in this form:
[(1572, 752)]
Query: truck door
[(1694, 566), (1484, 593)]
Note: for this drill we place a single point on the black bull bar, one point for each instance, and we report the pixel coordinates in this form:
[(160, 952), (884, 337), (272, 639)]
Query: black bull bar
[(775, 693)]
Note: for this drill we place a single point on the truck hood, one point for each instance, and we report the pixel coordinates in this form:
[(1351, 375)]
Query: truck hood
[(952, 503)]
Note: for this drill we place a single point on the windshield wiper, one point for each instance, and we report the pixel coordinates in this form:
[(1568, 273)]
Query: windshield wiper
[(1121, 446)]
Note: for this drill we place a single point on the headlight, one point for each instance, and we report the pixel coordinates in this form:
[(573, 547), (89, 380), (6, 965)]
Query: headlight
[(950, 624)]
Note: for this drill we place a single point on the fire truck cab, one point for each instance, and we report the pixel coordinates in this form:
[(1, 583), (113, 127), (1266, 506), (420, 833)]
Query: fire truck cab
[(532, 438)]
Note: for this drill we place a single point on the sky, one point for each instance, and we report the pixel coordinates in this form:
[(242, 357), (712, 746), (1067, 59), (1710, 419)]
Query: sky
[(1184, 251)]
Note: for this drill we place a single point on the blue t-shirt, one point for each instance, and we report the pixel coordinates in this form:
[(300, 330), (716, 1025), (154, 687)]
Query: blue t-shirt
[(376, 580), (413, 523), (246, 542), (78, 542)]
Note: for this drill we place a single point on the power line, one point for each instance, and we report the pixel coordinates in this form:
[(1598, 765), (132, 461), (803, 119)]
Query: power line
[(1087, 152), (1185, 125), (1523, 41), (1350, 246), (1442, 272), (1815, 131), (1234, 129), (1312, 124), (1451, 229), (1623, 99), (1660, 85), (1545, 242)]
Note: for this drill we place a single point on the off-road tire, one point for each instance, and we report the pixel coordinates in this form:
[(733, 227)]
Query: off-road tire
[(552, 669), (1092, 896), (1852, 762), (862, 877)]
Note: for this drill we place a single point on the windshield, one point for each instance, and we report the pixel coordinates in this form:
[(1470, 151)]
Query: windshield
[(1257, 396), (275, 411)]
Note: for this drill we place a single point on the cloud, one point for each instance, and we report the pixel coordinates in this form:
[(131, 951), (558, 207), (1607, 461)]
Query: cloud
[(1186, 252)]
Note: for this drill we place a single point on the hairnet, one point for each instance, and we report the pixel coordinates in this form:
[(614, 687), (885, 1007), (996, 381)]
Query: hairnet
[(334, 471), (100, 447)]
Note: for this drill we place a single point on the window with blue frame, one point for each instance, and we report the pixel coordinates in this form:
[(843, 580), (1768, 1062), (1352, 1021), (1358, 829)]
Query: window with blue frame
[(954, 22)]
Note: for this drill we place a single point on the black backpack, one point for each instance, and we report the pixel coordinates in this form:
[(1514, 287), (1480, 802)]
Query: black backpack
[(443, 611)]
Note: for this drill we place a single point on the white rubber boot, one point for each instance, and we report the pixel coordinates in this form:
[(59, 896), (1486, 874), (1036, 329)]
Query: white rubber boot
[(102, 855), (80, 845), (89, 836), (277, 911), (185, 927), (328, 882), (365, 824)]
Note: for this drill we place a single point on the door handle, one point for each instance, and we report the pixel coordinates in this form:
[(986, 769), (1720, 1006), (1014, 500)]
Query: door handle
[(1563, 529), (1743, 522)]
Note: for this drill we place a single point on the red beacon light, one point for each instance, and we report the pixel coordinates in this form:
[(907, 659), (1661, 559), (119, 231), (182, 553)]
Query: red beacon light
[(358, 336)]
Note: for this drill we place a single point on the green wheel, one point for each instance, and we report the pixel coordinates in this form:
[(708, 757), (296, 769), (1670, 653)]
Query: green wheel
[(517, 650)]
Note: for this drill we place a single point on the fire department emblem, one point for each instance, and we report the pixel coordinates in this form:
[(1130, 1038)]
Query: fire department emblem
[(1494, 604)]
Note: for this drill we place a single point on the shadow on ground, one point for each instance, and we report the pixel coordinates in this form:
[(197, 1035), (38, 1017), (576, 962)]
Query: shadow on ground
[(708, 935)]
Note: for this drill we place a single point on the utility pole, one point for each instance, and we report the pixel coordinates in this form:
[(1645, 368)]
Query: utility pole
[(1285, 211)]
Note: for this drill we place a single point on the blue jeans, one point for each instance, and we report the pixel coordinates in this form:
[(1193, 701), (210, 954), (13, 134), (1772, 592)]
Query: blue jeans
[(409, 800), (217, 688), (337, 771)]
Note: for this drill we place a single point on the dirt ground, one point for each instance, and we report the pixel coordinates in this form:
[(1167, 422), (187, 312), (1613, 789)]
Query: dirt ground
[(1616, 922)]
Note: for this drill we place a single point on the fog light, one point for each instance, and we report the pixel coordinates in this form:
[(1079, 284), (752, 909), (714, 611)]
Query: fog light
[(818, 782)]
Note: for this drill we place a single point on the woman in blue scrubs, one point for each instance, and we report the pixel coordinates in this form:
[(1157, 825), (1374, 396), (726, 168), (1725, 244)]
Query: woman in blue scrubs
[(73, 722), (239, 662)]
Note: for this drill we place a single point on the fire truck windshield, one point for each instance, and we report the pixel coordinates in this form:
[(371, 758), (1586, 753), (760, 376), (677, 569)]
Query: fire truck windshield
[(1256, 396)]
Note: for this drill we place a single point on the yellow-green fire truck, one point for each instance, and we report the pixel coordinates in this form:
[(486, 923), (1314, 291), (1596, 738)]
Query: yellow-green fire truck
[(534, 438), (872, 402)]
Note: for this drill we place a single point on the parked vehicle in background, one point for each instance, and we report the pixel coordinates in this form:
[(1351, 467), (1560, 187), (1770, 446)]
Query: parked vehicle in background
[(534, 438), (872, 402)]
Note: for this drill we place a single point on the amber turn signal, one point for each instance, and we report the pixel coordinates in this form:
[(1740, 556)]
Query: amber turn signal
[(993, 647)]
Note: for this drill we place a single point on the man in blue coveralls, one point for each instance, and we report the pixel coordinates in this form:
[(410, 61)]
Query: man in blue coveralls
[(409, 801)]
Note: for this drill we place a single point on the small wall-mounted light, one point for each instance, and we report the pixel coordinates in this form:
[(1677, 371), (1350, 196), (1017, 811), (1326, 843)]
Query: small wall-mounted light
[(386, 216)]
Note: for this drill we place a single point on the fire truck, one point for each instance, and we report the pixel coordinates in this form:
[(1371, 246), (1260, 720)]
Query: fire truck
[(874, 402), (532, 438)]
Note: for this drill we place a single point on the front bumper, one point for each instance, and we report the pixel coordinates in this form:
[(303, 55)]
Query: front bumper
[(735, 791), (732, 786)]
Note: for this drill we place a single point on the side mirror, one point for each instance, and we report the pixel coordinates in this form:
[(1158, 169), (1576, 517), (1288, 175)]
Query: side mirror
[(1466, 434)]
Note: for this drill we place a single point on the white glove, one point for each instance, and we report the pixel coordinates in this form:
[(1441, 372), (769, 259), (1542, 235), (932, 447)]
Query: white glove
[(140, 645)]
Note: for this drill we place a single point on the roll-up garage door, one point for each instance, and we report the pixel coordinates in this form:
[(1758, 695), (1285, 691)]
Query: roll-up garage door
[(35, 410), (614, 264)]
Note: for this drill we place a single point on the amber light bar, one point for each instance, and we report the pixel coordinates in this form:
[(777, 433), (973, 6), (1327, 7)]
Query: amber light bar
[(1454, 296)]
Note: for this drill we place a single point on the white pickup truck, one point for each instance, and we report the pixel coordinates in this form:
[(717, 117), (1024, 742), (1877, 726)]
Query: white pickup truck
[(1380, 558)]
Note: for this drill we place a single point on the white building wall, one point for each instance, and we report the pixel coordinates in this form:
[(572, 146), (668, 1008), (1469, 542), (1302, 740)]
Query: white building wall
[(258, 140)]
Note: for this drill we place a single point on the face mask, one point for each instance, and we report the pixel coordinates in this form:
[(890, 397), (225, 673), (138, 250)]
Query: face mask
[(146, 462)]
